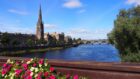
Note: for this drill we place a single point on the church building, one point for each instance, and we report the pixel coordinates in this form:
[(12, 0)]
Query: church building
[(40, 27)]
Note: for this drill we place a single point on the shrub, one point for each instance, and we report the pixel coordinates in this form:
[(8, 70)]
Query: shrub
[(31, 69)]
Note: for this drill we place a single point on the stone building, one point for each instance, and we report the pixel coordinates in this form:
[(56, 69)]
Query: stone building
[(62, 37), (68, 40), (40, 27), (48, 37), (58, 36)]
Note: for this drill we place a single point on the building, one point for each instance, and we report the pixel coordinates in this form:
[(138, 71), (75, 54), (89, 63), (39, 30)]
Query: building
[(40, 27), (68, 40), (47, 37), (58, 36), (54, 38)]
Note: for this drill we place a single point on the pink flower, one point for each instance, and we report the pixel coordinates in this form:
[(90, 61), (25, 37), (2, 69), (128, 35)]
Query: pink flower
[(41, 61), (6, 68), (9, 67), (38, 78), (22, 76), (18, 71), (52, 77), (18, 63), (24, 71), (34, 65), (4, 71), (51, 69), (25, 66), (39, 75), (29, 77), (28, 72), (75, 77), (4, 65), (46, 74)]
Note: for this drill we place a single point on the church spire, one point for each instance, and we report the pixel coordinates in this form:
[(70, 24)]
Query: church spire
[(40, 14), (40, 26)]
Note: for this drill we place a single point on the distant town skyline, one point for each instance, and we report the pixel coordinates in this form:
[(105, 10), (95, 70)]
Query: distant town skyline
[(87, 19)]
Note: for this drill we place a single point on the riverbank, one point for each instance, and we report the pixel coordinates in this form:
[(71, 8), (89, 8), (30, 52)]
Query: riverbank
[(39, 50)]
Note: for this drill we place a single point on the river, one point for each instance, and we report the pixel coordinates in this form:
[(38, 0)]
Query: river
[(85, 52)]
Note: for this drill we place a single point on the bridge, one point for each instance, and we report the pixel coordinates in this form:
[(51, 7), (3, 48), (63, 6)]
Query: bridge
[(99, 41), (92, 70)]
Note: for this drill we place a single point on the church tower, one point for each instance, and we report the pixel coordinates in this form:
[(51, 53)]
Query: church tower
[(40, 27)]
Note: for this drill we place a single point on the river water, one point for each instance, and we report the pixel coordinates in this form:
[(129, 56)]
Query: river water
[(85, 52)]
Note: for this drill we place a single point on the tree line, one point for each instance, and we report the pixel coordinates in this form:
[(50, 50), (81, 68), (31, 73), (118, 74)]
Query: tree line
[(18, 39)]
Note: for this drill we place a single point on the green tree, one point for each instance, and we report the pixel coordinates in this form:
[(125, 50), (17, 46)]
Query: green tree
[(39, 42), (15, 42), (30, 42), (5, 40), (126, 32)]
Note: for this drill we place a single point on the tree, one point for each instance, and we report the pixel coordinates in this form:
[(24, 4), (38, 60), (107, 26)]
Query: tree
[(5, 40), (126, 32), (30, 42), (15, 42), (79, 40)]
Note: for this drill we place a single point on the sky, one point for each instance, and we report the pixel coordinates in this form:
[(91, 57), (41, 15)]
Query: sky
[(86, 19)]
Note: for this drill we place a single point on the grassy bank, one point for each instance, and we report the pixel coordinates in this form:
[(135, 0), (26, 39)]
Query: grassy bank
[(11, 53), (131, 57)]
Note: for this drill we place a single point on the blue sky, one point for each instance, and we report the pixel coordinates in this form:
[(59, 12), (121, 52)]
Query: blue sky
[(88, 19)]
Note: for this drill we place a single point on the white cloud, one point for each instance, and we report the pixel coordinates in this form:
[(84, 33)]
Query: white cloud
[(89, 34), (135, 2), (16, 29), (18, 12), (73, 4), (78, 31), (50, 26)]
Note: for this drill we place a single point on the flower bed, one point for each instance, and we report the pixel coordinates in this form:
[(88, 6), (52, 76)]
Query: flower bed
[(32, 69)]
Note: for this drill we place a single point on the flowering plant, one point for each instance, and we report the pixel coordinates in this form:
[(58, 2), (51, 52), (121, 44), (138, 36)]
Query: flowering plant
[(31, 69)]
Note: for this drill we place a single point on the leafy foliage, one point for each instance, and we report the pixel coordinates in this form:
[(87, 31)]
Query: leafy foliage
[(126, 33), (5, 40), (131, 57)]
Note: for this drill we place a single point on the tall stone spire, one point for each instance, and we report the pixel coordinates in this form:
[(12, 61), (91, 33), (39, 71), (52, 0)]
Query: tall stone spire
[(40, 14), (40, 26)]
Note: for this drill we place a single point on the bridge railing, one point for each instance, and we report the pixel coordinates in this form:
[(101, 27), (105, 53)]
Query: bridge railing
[(92, 70)]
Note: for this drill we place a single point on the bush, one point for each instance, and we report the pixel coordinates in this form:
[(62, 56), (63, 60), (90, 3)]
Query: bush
[(131, 57), (32, 69)]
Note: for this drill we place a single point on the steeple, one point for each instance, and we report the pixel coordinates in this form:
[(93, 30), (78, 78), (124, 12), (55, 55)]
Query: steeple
[(40, 14), (40, 26)]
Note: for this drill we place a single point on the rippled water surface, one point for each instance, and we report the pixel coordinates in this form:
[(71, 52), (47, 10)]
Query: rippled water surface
[(86, 52)]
